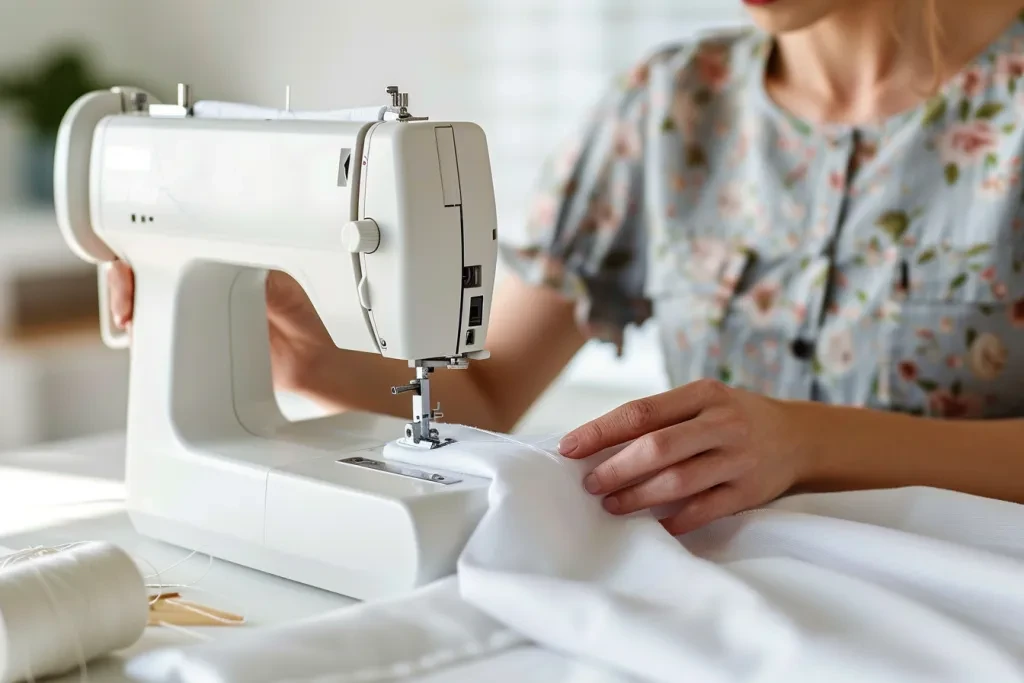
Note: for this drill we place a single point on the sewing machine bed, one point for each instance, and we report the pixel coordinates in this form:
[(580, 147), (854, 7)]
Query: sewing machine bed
[(907, 585)]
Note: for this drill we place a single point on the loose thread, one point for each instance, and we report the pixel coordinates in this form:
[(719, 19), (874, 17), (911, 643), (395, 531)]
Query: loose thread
[(34, 552), (157, 573), (160, 587), (517, 442), (558, 460), (173, 566)]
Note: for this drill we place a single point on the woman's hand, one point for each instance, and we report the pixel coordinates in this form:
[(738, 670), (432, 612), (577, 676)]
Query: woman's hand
[(299, 342), (714, 449)]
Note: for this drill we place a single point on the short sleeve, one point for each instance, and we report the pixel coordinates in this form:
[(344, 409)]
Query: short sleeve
[(585, 233)]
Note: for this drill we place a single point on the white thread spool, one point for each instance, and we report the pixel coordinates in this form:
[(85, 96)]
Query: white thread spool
[(59, 610)]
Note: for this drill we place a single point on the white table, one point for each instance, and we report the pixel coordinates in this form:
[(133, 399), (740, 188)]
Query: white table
[(74, 491)]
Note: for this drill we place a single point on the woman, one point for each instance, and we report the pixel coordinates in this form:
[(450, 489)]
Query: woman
[(824, 216)]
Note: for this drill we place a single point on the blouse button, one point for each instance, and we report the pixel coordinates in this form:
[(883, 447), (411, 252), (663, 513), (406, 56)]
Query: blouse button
[(802, 349)]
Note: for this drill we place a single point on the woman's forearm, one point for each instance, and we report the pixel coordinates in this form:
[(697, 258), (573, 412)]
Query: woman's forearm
[(851, 448), (348, 380), (492, 394)]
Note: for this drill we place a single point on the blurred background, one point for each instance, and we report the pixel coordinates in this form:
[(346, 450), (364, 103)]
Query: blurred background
[(523, 69)]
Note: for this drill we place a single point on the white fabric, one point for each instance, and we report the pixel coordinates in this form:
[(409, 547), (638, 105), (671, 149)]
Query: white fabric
[(905, 585), (213, 109)]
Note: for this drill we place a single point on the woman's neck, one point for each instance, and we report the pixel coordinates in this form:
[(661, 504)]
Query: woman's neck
[(864, 61)]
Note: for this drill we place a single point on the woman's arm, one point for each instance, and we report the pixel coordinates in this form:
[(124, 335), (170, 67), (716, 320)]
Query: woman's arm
[(850, 448), (532, 336)]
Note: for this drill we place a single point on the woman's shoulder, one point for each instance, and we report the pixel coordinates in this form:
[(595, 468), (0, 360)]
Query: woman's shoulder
[(709, 60)]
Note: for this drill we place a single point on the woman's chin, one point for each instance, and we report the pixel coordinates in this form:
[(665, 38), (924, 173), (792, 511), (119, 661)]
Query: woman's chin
[(783, 16)]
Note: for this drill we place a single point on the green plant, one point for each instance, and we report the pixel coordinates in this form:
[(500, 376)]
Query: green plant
[(43, 93)]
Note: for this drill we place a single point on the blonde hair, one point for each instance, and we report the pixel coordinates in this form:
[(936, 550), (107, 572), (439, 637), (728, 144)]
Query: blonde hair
[(927, 27), (932, 28)]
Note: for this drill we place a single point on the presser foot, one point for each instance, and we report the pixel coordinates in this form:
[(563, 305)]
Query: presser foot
[(414, 438), (419, 433)]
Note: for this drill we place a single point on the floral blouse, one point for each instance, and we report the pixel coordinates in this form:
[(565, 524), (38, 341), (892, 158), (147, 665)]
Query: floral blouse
[(878, 266)]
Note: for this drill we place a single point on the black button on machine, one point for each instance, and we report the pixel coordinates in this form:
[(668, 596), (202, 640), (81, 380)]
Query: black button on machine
[(802, 349), (476, 311)]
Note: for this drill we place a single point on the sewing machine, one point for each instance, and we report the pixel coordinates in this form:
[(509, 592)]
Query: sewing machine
[(389, 226)]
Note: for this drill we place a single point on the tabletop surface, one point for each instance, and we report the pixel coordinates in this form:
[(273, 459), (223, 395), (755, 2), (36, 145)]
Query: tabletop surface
[(74, 491)]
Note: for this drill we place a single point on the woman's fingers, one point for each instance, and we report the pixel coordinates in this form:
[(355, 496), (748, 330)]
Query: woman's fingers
[(643, 416), (121, 283), (285, 296), (651, 453), (680, 481), (704, 508)]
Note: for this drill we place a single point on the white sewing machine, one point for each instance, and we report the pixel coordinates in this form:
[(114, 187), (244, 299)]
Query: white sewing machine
[(388, 224)]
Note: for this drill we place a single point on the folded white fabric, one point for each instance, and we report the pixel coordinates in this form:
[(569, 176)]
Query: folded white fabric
[(907, 585), (431, 636), (388, 640), (549, 562), (213, 109)]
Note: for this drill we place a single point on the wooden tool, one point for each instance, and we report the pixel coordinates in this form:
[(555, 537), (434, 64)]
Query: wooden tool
[(169, 608)]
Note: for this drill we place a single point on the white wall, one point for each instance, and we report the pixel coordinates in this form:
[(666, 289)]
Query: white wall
[(333, 53)]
